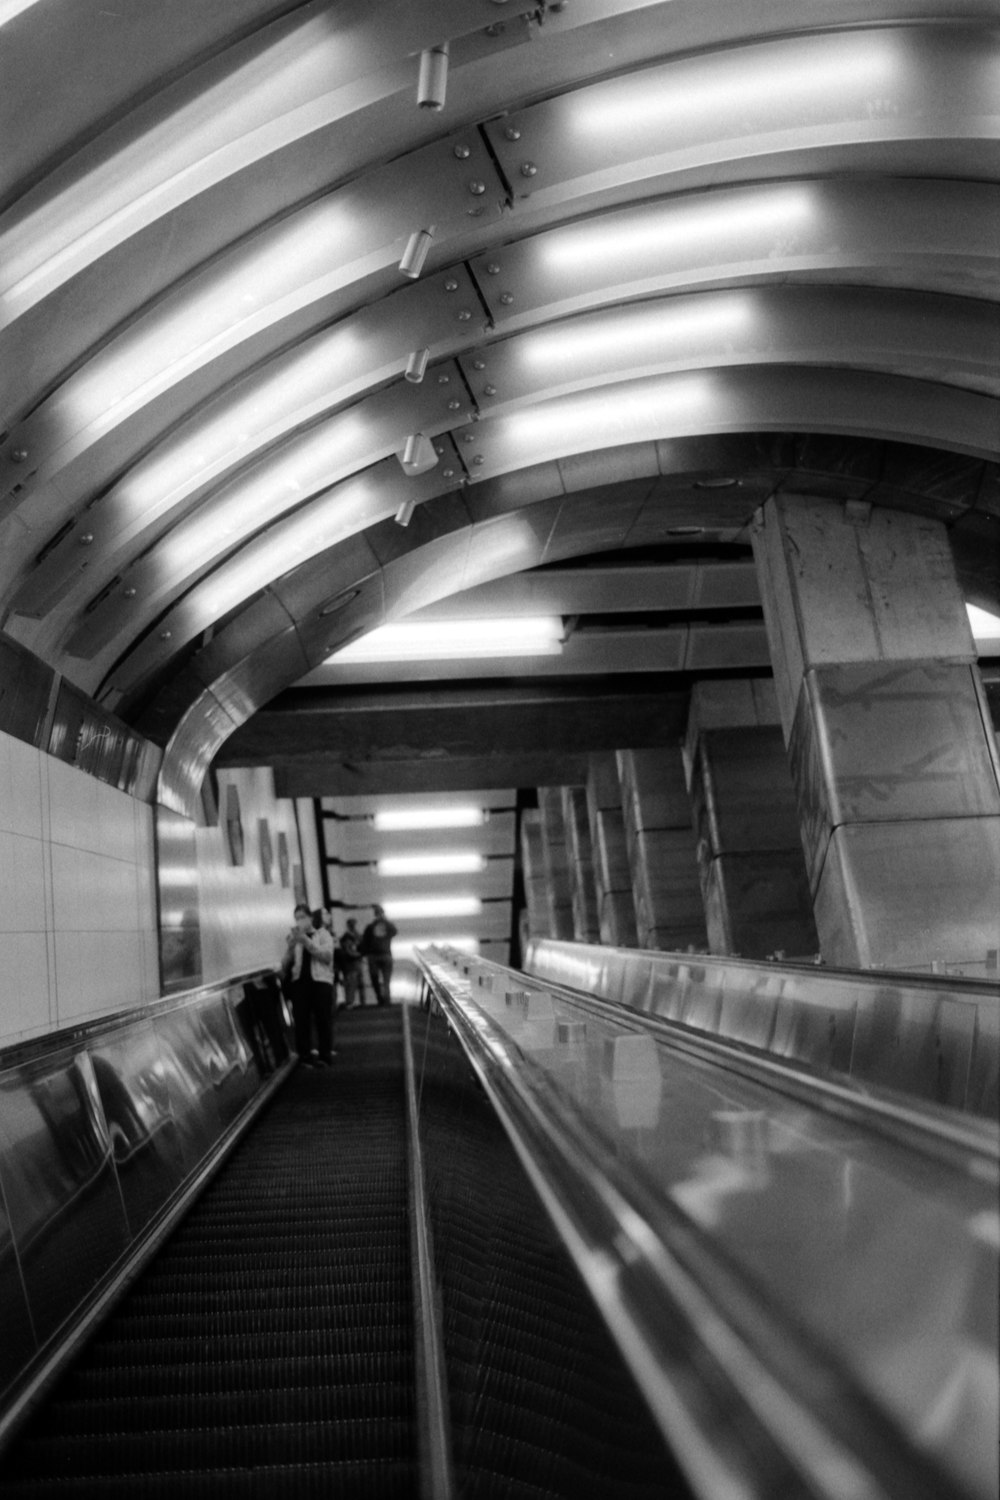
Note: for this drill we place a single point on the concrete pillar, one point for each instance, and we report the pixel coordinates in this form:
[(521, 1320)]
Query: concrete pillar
[(660, 838), (583, 890), (536, 885), (890, 745), (558, 895), (753, 871), (612, 874)]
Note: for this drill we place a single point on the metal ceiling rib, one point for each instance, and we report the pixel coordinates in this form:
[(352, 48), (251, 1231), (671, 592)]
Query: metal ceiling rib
[(654, 225)]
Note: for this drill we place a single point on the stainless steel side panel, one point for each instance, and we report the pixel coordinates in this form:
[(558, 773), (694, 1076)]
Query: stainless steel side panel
[(59, 1183), (935, 1039)]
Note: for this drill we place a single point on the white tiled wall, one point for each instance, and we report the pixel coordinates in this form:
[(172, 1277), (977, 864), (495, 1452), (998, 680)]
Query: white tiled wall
[(77, 899)]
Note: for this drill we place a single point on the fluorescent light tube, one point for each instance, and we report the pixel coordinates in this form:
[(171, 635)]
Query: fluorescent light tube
[(459, 863), (402, 819), (433, 906), (437, 640)]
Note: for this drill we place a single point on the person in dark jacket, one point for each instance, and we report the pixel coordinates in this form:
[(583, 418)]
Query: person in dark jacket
[(376, 946), (348, 961)]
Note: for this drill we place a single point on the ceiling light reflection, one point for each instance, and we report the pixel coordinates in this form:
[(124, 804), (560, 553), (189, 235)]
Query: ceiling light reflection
[(638, 330), (608, 417), (726, 217), (760, 86)]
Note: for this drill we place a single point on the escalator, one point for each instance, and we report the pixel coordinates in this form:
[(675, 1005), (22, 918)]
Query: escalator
[(268, 1350)]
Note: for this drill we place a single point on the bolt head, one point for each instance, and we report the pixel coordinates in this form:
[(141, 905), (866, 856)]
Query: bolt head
[(87, 539), (447, 473), (528, 169), (506, 298), (463, 153), (465, 316), (469, 437), (18, 455), (477, 188), (490, 390), (479, 364), (130, 592), (478, 459), (512, 133), (493, 269), (454, 405), (444, 380), (166, 635), (476, 213), (451, 285)]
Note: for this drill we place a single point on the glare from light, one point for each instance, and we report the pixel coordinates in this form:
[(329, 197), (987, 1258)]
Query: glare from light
[(455, 640), (333, 518), (985, 626), (275, 485), (432, 906), (403, 819), (771, 86), (239, 296), (409, 948), (461, 862), (198, 144), (608, 417), (639, 330), (11, 8), (624, 239)]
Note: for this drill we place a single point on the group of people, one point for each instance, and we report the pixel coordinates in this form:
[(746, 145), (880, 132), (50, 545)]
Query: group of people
[(315, 963)]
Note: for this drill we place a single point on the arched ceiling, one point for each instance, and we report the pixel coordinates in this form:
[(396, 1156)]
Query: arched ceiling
[(680, 255)]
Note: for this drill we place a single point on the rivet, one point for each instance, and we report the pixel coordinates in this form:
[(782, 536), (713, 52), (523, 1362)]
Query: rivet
[(447, 473), (451, 285), (479, 459), (444, 380), (496, 28), (528, 169), (454, 405), (469, 437), (479, 364), (493, 269), (166, 635), (506, 298), (18, 455), (490, 390), (438, 451), (465, 316), (477, 188), (463, 153), (476, 213), (130, 592), (512, 133), (86, 539)]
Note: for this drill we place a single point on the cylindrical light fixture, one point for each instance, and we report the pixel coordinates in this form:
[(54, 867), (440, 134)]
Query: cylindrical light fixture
[(415, 253), (416, 366), (404, 514), (433, 80)]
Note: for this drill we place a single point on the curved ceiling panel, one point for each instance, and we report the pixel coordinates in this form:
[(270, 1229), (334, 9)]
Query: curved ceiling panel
[(653, 226)]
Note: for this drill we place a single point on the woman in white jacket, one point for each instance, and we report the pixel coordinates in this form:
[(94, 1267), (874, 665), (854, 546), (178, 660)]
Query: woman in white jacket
[(309, 969)]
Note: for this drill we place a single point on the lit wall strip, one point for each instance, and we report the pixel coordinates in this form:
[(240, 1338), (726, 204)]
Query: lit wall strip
[(405, 909)]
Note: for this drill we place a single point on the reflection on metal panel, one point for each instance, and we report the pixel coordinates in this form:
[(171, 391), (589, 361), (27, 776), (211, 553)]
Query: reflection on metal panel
[(135, 1097), (17, 1346), (98, 1136), (179, 901), (938, 1040), (59, 1183)]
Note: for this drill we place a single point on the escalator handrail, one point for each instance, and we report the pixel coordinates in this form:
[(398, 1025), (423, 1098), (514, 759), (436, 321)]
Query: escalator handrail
[(814, 1432)]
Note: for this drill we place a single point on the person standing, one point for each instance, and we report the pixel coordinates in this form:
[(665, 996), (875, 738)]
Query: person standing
[(307, 972), (349, 960), (376, 946)]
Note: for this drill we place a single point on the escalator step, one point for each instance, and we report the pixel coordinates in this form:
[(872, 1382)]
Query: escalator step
[(116, 1382), (386, 1478), (235, 1407), (165, 1450)]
